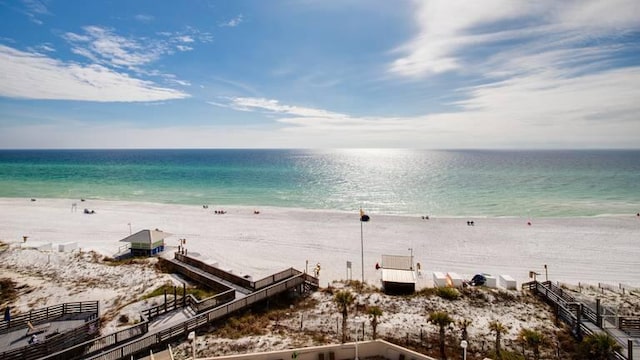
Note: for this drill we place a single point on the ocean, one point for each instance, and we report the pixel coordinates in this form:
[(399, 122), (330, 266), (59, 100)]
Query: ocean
[(408, 182)]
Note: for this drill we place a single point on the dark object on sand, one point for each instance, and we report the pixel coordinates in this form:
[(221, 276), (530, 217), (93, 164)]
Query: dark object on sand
[(87, 211), (478, 280)]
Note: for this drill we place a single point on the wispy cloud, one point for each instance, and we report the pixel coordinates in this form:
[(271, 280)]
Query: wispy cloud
[(450, 30), (232, 22), (34, 76), (274, 106), (144, 18), (34, 9), (102, 45)]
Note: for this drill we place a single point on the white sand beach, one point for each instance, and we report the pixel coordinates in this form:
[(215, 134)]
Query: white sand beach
[(588, 249), (585, 250)]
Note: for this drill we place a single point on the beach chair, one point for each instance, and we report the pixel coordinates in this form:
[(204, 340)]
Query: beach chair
[(32, 330)]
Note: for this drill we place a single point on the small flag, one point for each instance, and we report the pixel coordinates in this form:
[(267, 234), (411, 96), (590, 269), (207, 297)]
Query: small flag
[(363, 217)]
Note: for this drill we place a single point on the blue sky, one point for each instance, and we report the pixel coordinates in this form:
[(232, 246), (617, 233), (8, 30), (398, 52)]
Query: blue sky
[(320, 74)]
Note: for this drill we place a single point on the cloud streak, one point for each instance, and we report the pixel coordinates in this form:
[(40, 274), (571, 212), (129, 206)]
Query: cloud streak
[(450, 30), (33, 76)]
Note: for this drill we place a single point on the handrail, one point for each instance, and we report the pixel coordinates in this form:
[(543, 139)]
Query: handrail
[(185, 327), (565, 303), (51, 312)]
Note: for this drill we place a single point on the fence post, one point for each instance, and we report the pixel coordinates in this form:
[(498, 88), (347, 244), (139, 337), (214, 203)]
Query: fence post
[(629, 349), (598, 316), (578, 320)]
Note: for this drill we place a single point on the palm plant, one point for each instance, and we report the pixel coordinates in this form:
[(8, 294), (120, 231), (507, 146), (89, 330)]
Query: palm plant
[(463, 324), (499, 329), (343, 300), (442, 320), (533, 339), (374, 312), (599, 347)]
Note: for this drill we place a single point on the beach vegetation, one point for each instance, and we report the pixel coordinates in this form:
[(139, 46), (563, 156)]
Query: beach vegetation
[(505, 296), (505, 355), (374, 312), (598, 347), (533, 340), (343, 300), (125, 261), (197, 292), (123, 319), (426, 292), (463, 324), (476, 296), (499, 329), (8, 290), (3, 246), (442, 320), (448, 293), (244, 325)]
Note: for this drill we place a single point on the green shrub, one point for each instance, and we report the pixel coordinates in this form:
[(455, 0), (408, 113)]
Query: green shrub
[(448, 293)]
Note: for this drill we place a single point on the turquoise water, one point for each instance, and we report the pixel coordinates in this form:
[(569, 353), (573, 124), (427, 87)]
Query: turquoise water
[(439, 183)]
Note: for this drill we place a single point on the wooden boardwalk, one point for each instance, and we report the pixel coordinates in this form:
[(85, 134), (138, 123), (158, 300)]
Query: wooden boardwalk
[(584, 319), (179, 321)]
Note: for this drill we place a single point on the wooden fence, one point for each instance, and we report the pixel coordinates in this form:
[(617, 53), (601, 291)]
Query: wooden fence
[(47, 314), (54, 343), (569, 310), (157, 339), (224, 275), (235, 279), (630, 325)]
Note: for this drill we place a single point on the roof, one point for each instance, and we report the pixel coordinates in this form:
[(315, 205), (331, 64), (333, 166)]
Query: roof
[(147, 237), (398, 276), (396, 262)]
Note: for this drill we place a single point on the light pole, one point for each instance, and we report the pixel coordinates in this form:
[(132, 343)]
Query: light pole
[(357, 321), (463, 345), (363, 218)]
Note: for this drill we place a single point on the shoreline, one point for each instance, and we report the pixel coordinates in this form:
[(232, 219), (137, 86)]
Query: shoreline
[(296, 208), (576, 249)]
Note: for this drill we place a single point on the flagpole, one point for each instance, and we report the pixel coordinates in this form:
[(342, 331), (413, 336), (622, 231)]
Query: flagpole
[(362, 249), (363, 217)]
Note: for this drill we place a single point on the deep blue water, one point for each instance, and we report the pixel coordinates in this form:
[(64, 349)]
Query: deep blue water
[(441, 183)]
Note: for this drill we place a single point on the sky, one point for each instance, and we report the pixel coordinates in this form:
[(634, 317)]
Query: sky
[(430, 74)]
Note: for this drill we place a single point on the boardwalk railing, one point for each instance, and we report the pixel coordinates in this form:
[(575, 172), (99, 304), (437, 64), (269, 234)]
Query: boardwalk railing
[(224, 275), (154, 340), (630, 325), (571, 311), (235, 279), (47, 314), (54, 343), (122, 344)]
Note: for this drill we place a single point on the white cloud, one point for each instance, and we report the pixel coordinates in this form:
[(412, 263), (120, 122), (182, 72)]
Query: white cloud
[(33, 76), (545, 110), (274, 106), (184, 48), (232, 22), (102, 45), (449, 30), (144, 18), (185, 38), (34, 8)]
